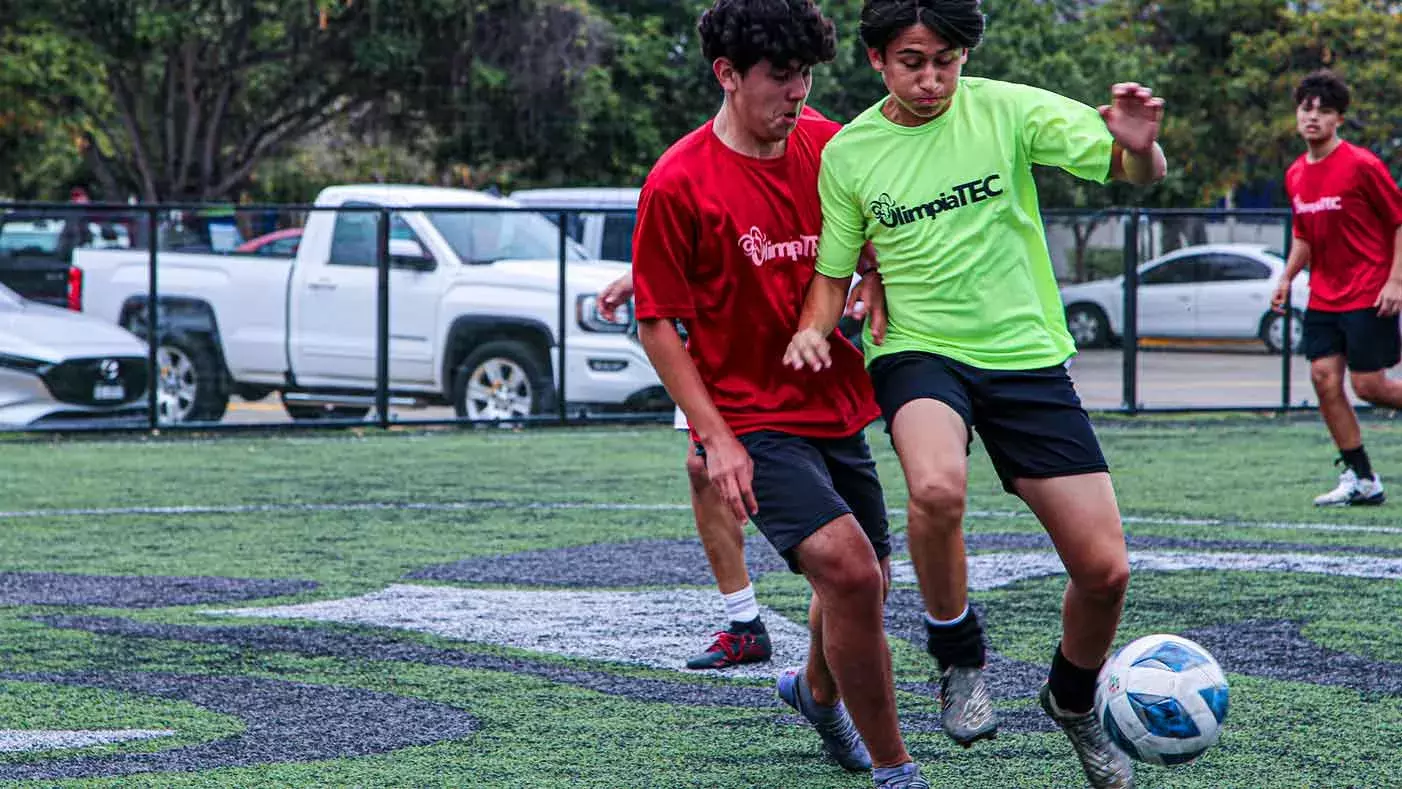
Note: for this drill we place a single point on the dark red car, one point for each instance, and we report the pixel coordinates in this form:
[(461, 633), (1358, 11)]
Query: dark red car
[(277, 244)]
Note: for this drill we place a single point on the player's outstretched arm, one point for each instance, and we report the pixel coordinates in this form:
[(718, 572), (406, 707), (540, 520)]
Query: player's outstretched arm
[(727, 463), (1133, 117), (822, 309), (615, 295)]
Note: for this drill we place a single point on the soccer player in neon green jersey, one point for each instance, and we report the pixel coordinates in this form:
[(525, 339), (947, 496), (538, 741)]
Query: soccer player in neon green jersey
[(938, 177)]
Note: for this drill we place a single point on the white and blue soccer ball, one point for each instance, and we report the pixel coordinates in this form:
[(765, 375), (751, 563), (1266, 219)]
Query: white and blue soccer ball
[(1162, 699)]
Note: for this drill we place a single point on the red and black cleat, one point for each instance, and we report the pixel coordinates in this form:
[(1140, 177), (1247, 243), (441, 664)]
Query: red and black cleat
[(742, 643)]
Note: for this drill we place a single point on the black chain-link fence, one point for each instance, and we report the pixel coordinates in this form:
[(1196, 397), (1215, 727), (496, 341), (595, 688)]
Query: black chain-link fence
[(405, 306)]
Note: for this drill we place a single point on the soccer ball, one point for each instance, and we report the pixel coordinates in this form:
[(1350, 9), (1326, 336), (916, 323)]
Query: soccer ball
[(1162, 699)]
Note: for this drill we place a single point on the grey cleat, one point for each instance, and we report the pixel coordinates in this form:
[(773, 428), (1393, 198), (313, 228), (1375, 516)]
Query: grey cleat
[(1106, 766), (840, 738), (966, 709), (910, 778)]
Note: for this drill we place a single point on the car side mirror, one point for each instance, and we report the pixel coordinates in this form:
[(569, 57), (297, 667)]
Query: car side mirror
[(410, 254)]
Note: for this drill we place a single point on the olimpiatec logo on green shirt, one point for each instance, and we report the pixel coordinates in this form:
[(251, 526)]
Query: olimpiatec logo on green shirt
[(976, 191)]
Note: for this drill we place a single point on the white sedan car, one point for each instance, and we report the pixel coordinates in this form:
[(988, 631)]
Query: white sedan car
[(62, 366), (1210, 291)]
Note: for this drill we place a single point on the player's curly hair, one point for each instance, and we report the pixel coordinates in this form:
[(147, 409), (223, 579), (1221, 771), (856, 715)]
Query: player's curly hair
[(960, 22), (1328, 87), (780, 31)]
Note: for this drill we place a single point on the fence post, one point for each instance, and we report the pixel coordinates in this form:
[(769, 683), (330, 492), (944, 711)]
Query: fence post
[(1287, 329), (382, 319), (560, 224), (1130, 356), (152, 337)]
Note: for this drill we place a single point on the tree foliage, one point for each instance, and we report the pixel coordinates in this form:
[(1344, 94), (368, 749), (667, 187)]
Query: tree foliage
[(1358, 39), (211, 99)]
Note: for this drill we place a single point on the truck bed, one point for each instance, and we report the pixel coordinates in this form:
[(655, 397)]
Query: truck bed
[(247, 292)]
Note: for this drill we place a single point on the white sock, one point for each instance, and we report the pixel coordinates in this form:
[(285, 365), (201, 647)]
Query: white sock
[(741, 606), (948, 622)]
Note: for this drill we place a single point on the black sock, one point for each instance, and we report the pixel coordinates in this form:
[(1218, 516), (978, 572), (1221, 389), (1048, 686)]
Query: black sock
[(960, 644), (755, 626), (1357, 459), (1072, 687)]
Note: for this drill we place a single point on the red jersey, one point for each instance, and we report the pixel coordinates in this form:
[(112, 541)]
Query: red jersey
[(1347, 208), (727, 243)]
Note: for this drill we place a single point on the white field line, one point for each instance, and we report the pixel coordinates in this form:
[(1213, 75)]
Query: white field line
[(20, 740), (459, 506)]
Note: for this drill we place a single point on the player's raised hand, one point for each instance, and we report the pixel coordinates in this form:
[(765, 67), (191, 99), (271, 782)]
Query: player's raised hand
[(615, 295), (1133, 116), (732, 472), (808, 349)]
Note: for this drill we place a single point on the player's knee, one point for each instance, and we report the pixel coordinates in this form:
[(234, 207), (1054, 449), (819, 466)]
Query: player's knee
[(1326, 380), (940, 496), (1106, 581), (839, 571), (1370, 387), (696, 472), (853, 577)]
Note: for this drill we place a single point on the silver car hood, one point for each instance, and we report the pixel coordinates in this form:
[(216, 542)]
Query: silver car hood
[(52, 334)]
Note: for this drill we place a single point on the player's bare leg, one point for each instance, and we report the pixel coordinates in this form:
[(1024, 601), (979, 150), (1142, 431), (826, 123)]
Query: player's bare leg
[(1327, 375), (1357, 482), (1082, 518), (745, 639), (931, 440), (1376, 388), (846, 687), (721, 536)]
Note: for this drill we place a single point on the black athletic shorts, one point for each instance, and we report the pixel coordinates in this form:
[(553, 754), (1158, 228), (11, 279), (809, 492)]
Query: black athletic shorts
[(1366, 341), (1031, 421), (802, 484)]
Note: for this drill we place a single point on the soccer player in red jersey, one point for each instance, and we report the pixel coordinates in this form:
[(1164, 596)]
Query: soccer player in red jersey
[(726, 240), (1347, 226), (745, 639)]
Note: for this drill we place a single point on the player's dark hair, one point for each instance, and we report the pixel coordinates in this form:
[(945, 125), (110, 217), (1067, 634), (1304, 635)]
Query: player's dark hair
[(779, 31), (1328, 87), (960, 22)]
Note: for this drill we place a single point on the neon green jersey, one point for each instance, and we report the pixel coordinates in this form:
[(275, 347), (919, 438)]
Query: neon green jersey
[(951, 208)]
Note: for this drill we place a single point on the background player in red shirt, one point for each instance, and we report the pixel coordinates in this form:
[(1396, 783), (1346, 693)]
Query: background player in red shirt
[(745, 639), (726, 242), (1347, 227)]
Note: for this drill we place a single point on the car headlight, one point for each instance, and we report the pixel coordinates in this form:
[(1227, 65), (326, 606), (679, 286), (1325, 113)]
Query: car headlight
[(23, 363), (591, 319)]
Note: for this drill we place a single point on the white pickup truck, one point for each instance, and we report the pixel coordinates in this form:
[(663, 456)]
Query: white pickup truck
[(474, 315)]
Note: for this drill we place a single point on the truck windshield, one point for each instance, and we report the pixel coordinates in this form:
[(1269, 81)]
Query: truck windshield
[(36, 238), (486, 237)]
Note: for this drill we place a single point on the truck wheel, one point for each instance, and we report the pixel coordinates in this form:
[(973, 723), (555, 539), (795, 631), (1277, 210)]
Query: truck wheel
[(192, 383), (308, 412), (500, 380)]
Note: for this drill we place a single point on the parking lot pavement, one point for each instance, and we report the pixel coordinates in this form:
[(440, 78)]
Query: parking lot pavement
[(1168, 378), (270, 411)]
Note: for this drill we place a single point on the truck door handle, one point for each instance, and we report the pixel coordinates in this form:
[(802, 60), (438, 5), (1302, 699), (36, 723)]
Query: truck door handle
[(322, 284)]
